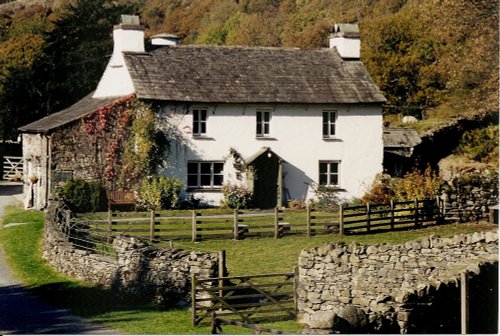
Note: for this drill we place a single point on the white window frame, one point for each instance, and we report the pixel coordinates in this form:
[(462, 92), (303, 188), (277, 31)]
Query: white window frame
[(263, 124), (212, 174), (329, 126), (329, 173), (199, 124)]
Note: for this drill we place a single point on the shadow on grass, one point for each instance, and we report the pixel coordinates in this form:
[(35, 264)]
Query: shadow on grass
[(90, 301), (23, 313), (384, 229)]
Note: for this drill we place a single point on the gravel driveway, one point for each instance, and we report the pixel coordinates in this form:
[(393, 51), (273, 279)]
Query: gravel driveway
[(23, 313)]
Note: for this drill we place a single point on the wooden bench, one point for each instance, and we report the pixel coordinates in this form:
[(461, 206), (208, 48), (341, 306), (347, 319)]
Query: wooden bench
[(121, 197)]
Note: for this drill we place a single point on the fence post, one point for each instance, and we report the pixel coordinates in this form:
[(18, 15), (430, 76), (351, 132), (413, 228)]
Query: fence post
[(235, 225), (368, 217), (194, 235), (110, 225), (276, 223), (464, 303), (341, 220), (416, 212), (193, 300), (296, 289), (152, 226), (222, 271), (438, 213), (308, 220), (392, 215)]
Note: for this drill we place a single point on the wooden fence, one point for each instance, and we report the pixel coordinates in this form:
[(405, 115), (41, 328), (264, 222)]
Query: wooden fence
[(12, 167), (237, 225), (197, 226), (249, 299), (389, 217)]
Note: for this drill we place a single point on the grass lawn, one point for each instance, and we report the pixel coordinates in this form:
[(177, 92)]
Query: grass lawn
[(22, 245)]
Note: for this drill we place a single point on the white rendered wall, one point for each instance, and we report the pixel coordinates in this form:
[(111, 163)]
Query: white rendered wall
[(116, 80), (296, 136), (347, 47)]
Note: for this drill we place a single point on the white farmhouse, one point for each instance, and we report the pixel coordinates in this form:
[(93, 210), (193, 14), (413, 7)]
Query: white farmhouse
[(298, 117)]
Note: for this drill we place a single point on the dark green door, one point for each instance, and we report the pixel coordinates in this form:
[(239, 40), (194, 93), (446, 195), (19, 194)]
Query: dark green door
[(265, 180)]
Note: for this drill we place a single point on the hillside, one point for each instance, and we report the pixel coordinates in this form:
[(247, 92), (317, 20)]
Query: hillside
[(50, 56)]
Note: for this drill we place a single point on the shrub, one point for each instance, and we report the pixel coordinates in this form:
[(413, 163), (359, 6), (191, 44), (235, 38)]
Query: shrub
[(296, 204), (84, 196), (480, 144), (158, 193), (381, 190), (325, 196), (413, 185), (417, 185), (237, 197)]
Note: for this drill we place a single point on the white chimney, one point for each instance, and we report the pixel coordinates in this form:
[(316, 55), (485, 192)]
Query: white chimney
[(165, 40), (128, 36), (346, 39)]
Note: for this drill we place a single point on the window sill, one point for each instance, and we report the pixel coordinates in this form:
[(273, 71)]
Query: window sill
[(332, 139), (265, 138), (202, 137), (333, 188), (192, 189)]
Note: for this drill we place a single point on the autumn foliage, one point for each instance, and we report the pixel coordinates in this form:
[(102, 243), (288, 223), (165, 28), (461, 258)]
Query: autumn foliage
[(430, 58)]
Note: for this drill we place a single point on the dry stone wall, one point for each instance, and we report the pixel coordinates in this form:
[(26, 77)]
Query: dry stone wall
[(467, 196), (390, 288), (161, 274)]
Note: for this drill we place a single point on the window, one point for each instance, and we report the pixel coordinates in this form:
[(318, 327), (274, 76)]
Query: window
[(199, 121), (263, 123), (205, 174), (329, 173), (329, 119)]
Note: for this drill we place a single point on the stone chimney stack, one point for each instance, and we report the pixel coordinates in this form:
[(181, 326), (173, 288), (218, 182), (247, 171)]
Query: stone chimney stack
[(165, 40), (346, 39), (128, 36)]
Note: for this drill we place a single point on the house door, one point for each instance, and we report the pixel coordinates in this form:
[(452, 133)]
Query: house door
[(266, 167)]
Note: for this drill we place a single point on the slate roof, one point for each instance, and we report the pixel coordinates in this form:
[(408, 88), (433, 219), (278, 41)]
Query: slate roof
[(83, 107), (400, 140), (228, 74)]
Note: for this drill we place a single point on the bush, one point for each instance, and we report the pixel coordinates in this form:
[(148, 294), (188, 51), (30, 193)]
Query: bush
[(159, 193), (417, 185), (480, 144), (84, 196), (296, 204), (237, 197), (326, 197), (414, 185), (381, 190)]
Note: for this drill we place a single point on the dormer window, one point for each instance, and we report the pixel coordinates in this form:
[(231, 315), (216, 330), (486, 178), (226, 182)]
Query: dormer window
[(200, 121), (329, 123), (263, 120)]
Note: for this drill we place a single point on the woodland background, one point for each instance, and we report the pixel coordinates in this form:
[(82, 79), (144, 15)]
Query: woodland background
[(435, 59)]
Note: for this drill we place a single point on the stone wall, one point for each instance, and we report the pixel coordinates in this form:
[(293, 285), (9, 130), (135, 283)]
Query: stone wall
[(74, 153), (467, 195), (390, 288), (160, 274)]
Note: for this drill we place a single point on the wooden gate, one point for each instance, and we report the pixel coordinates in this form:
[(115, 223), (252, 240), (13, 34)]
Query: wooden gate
[(12, 168), (250, 299)]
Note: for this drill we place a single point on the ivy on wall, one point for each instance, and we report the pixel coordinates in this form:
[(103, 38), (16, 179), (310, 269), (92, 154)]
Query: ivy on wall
[(126, 141)]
